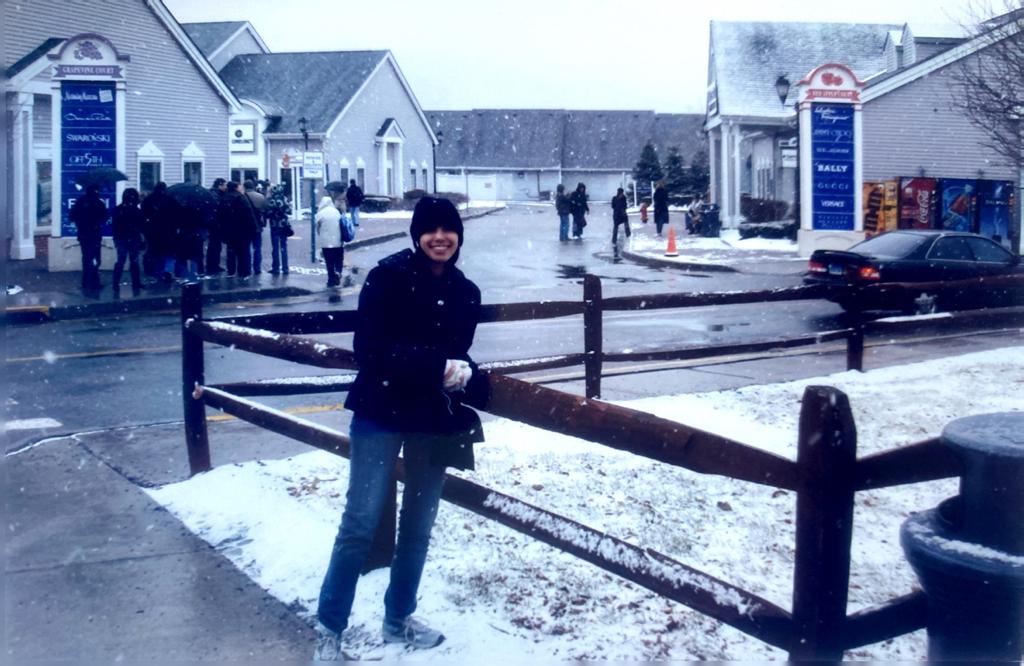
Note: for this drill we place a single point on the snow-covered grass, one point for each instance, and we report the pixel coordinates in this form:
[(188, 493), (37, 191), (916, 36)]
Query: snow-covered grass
[(498, 593), (726, 249)]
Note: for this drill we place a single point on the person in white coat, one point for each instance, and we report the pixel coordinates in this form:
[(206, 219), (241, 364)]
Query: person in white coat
[(328, 230)]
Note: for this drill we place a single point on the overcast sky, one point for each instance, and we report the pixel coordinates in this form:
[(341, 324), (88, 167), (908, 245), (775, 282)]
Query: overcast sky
[(581, 54)]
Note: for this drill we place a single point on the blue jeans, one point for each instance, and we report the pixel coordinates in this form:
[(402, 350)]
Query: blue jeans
[(257, 252), (354, 211), (374, 450), (278, 250), (563, 227)]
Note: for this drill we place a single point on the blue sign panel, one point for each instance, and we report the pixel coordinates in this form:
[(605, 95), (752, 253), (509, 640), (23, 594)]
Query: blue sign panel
[(832, 158), (88, 130)]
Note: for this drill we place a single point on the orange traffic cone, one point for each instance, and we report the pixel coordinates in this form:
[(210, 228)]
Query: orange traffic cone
[(671, 250)]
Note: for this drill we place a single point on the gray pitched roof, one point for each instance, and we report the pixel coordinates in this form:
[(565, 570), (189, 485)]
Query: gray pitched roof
[(33, 55), (523, 138), (211, 36), (314, 85), (567, 139), (749, 56)]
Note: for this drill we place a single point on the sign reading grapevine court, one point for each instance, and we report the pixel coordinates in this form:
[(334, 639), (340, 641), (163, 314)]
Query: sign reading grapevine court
[(88, 130), (832, 166)]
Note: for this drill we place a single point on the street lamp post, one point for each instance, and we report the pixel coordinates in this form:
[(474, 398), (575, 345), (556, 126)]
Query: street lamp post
[(312, 191), (433, 150), (782, 86)]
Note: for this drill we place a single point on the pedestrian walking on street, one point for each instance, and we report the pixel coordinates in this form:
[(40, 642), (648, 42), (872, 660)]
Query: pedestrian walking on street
[(564, 208), (240, 228), (417, 317), (258, 201), (276, 212), (328, 232), (159, 211), (128, 227), (215, 231), (580, 208), (660, 206), (619, 215), (354, 199), (89, 213)]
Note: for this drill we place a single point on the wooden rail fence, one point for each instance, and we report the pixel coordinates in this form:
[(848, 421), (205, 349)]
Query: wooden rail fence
[(825, 476)]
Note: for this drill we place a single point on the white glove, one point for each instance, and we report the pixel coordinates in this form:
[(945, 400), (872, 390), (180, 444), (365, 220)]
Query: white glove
[(456, 375)]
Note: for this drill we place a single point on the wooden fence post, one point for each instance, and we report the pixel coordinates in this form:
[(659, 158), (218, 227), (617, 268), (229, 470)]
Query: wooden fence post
[(592, 334), (855, 347), (192, 375), (826, 455)]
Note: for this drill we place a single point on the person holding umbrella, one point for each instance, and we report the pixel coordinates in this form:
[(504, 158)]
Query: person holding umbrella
[(89, 213)]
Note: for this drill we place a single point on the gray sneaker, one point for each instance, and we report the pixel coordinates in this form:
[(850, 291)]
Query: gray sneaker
[(411, 632), (328, 645)]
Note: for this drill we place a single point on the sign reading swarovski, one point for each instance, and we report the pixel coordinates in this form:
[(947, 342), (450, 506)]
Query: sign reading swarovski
[(832, 166), (88, 140)]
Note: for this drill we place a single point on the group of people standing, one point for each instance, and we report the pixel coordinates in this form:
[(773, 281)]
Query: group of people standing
[(162, 238), (575, 205)]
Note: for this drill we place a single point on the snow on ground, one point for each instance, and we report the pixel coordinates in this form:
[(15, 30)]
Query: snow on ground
[(497, 592), (722, 250)]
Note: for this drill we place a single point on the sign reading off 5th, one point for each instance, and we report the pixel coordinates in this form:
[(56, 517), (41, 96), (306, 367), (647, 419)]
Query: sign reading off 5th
[(832, 166)]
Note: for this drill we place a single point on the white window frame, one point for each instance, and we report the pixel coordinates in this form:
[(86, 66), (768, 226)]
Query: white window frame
[(149, 153), (193, 154)]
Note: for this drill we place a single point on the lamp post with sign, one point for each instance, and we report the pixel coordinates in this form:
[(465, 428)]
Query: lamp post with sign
[(311, 165), (433, 147), (782, 86)]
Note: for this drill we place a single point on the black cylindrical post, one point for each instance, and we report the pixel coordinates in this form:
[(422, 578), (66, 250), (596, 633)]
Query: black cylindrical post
[(826, 456), (969, 552), (592, 334), (192, 375), (855, 348)]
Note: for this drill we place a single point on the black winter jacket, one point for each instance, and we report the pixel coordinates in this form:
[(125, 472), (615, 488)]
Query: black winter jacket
[(409, 324), (89, 214), (129, 225), (619, 205)]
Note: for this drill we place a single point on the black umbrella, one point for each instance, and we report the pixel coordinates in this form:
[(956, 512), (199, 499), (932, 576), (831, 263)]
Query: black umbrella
[(194, 197), (336, 186), (100, 176)]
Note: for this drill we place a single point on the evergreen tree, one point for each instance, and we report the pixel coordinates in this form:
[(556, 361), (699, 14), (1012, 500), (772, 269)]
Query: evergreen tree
[(649, 167), (700, 173), (676, 177)]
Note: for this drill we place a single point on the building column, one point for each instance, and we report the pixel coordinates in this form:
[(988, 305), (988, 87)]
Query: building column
[(23, 194), (382, 168), (725, 196), (737, 149), (713, 167), (400, 169)]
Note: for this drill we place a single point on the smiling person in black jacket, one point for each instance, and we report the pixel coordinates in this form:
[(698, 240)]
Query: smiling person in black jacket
[(417, 318)]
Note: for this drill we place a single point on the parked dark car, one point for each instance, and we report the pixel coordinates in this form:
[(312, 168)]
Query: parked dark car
[(917, 256)]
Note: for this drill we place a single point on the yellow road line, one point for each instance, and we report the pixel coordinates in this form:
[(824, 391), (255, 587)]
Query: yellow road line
[(311, 409), (51, 358)]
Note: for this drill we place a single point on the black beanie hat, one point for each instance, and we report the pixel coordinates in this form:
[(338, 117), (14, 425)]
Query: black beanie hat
[(431, 213)]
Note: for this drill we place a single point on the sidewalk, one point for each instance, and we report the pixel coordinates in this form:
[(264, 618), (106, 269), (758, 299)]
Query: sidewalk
[(47, 296), (727, 253)]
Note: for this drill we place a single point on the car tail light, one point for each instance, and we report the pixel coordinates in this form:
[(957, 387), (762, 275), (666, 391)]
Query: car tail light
[(816, 267), (869, 273)]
